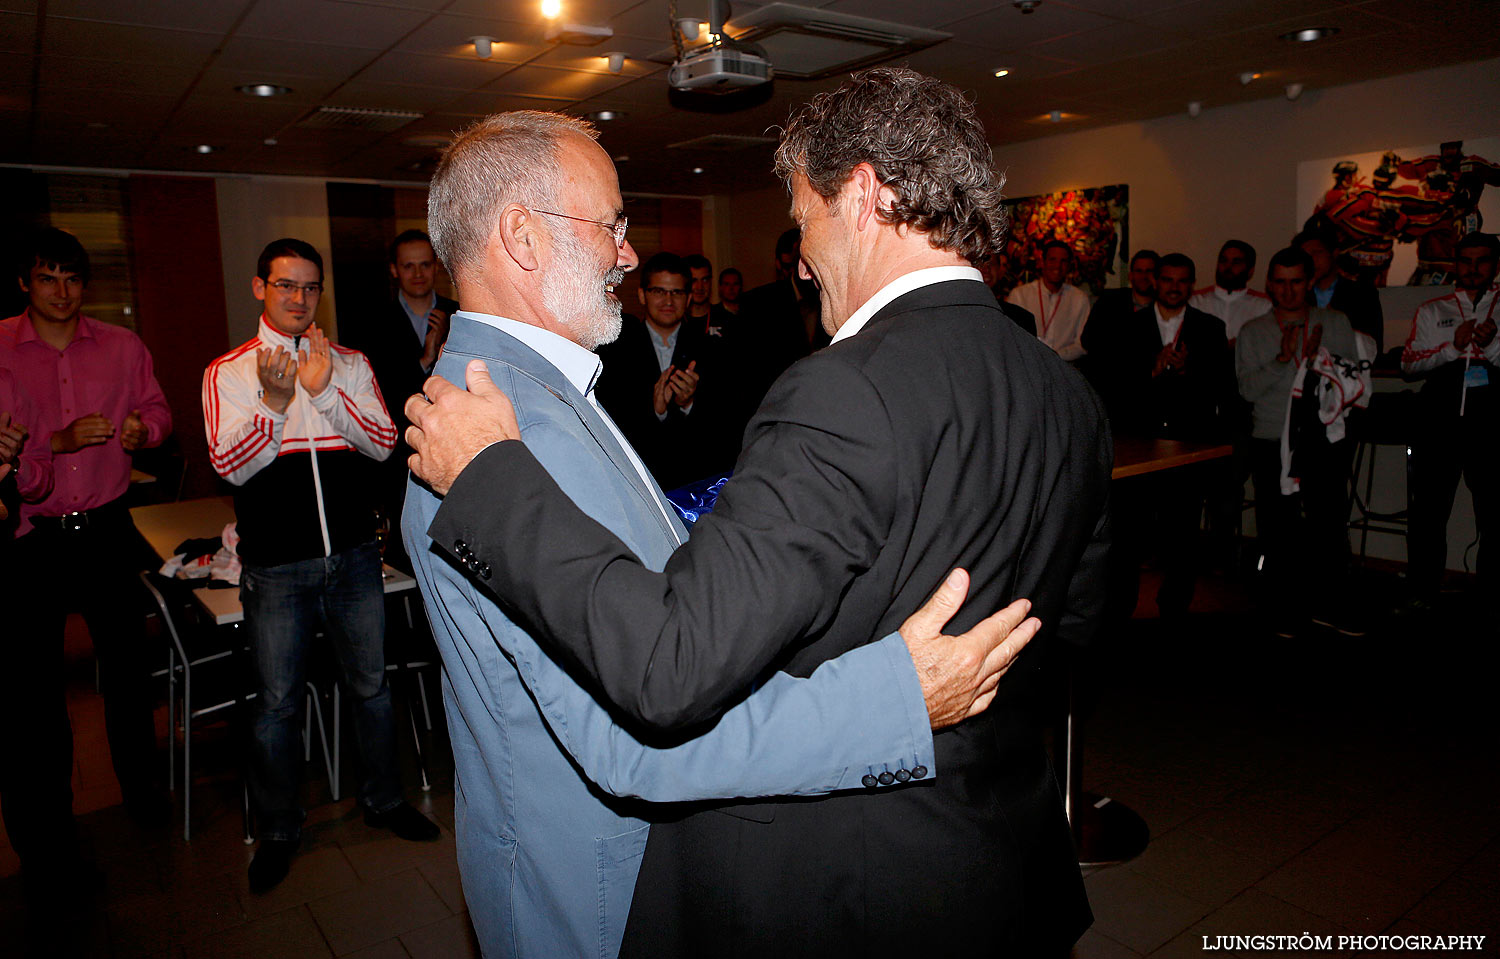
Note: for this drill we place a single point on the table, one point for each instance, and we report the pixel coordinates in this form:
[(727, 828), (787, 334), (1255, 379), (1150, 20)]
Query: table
[(1106, 831), (165, 525)]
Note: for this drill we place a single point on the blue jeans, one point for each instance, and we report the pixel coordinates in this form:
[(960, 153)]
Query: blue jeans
[(284, 608)]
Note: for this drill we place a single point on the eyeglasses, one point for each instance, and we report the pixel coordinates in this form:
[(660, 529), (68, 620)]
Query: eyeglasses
[(288, 288), (617, 227), (663, 291)]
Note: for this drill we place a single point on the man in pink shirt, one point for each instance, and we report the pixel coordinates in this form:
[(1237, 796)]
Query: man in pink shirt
[(95, 401)]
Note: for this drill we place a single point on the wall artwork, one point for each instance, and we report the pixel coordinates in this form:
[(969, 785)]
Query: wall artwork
[(1094, 222), (1396, 215)]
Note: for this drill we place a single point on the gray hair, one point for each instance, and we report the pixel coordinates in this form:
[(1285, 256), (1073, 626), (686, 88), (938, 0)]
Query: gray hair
[(923, 140), (505, 158)]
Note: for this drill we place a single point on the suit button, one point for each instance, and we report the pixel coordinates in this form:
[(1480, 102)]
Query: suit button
[(902, 775), (886, 778), (461, 548), (870, 781), (917, 772), (484, 570)]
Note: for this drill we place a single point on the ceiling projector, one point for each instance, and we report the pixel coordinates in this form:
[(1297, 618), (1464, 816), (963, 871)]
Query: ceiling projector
[(721, 68)]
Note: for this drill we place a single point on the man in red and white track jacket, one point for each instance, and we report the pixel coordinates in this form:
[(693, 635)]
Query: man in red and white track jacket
[(295, 423), (1453, 346)]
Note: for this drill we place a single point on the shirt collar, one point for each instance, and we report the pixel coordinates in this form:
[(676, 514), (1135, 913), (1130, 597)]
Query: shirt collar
[(271, 336), (1162, 317), (580, 366), (900, 286), (426, 312), (1224, 294), (26, 329)]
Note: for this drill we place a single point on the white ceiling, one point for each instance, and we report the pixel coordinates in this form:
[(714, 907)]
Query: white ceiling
[(136, 83)]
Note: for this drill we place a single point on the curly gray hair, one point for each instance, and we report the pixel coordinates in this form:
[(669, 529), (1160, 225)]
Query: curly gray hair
[(505, 158), (923, 140)]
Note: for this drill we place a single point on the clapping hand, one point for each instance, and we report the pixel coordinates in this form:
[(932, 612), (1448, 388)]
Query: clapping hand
[(685, 384), (90, 430), (277, 372), (437, 335), (133, 432), (12, 436), (315, 364)]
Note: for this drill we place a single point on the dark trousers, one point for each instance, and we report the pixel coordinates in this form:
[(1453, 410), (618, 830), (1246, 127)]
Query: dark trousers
[(1303, 536), (55, 572), (1445, 448), (1157, 514), (285, 606)]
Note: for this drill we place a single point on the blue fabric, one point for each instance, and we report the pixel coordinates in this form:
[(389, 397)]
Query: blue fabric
[(547, 854), (285, 606), (696, 500)]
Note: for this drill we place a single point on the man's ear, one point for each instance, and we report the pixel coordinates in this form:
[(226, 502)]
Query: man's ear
[(519, 237), (258, 287), (395, 275), (868, 193)]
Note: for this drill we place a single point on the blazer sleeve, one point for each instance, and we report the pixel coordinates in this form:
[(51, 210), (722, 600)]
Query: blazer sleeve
[(810, 504), (791, 737)]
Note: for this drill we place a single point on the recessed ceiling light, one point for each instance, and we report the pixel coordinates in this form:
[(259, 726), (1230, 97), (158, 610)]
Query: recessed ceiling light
[(623, 158), (1309, 34), (205, 148), (604, 116), (1055, 116), (1002, 72), (263, 89), (551, 8), (270, 141), (96, 125), (697, 169)]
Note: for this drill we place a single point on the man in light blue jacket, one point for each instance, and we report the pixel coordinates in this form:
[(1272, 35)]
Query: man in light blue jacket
[(552, 794)]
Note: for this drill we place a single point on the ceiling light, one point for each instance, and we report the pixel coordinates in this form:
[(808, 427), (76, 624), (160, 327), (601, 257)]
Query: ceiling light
[(551, 9), (689, 28), (615, 61), (1055, 116), (483, 46), (204, 148), (1247, 77), (1293, 91), (623, 158), (697, 169), (1026, 6), (270, 141), (604, 116), (1309, 34), (263, 90), (1002, 72), (1195, 107)]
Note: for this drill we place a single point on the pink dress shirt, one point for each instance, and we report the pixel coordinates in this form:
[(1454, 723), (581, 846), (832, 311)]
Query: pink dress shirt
[(107, 370)]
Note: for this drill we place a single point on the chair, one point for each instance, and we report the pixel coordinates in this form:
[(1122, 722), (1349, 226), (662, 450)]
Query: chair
[(180, 673), (1391, 420)]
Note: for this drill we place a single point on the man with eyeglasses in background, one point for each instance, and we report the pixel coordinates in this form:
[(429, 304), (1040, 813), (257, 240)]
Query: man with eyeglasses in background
[(295, 422), (658, 381)]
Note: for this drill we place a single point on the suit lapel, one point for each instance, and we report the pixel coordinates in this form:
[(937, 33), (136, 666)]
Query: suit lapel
[(469, 336)]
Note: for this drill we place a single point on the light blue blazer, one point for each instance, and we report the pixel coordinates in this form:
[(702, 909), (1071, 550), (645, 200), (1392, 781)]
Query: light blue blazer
[(547, 848)]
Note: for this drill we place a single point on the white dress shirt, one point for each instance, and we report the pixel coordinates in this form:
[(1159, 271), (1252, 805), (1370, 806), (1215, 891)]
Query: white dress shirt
[(1235, 309), (1059, 316)]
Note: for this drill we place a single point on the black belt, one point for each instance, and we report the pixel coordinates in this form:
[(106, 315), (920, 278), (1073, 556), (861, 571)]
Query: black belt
[(79, 520)]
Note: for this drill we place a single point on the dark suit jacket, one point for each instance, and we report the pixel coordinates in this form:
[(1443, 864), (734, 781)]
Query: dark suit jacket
[(685, 446), (1192, 403), (385, 336), (1361, 303), (854, 497)]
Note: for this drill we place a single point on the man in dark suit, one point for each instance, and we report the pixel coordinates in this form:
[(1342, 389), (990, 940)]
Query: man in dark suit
[(1165, 372), (931, 433), (1359, 301), (402, 341), (661, 382)]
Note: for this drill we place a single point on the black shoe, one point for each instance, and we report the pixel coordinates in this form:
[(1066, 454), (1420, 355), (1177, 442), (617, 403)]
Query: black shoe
[(404, 821), (272, 861), (1341, 621)]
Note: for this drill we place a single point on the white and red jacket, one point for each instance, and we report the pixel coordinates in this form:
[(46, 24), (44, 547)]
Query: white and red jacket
[(1430, 343), (306, 486), (1235, 309)]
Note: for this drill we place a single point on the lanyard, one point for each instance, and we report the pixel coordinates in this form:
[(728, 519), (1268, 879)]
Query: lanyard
[(1041, 306)]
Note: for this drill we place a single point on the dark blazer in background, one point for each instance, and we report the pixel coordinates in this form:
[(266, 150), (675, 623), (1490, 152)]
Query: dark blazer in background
[(684, 447), (1360, 302), (385, 336), (1193, 403), (855, 495)]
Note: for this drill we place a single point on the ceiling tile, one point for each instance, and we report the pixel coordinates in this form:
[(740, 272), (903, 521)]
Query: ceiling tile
[(593, 59), (17, 33), (482, 103), (574, 11), (353, 25), (107, 41), (1121, 9), (250, 57), (390, 96), (544, 81), (110, 105), (28, 7), (1117, 42), (1004, 28), (448, 72), (1212, 18), (221, 82), (931, 14), (448, 36), (161, 77), (178, 14), (202, 117)]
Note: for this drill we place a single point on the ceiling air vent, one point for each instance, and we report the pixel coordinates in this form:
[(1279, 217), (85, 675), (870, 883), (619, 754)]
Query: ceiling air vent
[(368, 119), (723, 143), (810, 44)]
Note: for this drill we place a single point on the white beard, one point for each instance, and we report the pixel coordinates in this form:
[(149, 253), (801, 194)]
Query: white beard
[(576, 298)]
